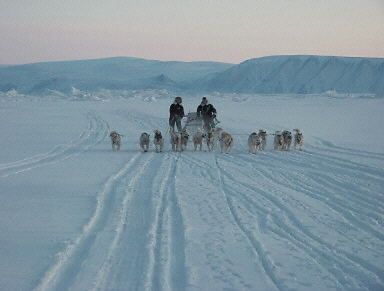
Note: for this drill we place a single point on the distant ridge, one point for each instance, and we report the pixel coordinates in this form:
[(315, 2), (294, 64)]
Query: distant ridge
[(296, 74), (301, 74), (107, 73)]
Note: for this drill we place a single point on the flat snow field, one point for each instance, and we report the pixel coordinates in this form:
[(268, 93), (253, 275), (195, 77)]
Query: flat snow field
[(76, 216)]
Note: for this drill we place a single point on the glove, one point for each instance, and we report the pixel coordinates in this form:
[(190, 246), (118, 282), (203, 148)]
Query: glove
[(213, 115)]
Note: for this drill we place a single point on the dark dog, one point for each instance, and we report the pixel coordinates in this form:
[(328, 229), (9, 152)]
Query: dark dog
[(158, 141), (116, 140)]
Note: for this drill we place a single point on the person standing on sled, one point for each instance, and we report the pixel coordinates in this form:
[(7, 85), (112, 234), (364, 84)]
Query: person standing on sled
[(176, 113), (207, 112)]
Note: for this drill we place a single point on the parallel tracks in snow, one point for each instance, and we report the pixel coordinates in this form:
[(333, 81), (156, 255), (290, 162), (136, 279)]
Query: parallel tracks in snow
[(134, 240), (257, 246), (295, 232), (167, 269), (268, 177), (98, 129), (71, 258)]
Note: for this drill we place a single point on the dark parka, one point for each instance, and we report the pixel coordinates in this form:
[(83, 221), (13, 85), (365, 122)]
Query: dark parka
[(206, 111), (176, 111)]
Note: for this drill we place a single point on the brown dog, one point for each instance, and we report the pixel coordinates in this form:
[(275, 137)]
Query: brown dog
[(287, 136), (158, 141)]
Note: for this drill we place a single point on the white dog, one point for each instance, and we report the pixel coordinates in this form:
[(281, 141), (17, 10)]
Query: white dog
[(263, 136), (298, 139), (287, 136), (184, 139), (278, 141), (254, 143), (175, 140), (144, 141), (158, 141), (198, 139), (116, 140), (226, 142)]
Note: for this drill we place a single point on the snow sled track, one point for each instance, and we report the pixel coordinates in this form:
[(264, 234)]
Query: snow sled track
[(114, 249), (148, 254), (329, 147), (256, 189), (333, 187), (220, 212), (266, 261), (70, 261), (291, 228), (168, 242), (135, 237), (98, 129)]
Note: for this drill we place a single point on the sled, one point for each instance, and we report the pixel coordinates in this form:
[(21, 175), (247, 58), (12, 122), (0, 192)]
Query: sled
[(192, 123)]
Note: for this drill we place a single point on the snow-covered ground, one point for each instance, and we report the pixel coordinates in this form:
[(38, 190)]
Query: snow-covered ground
[(76, 216)]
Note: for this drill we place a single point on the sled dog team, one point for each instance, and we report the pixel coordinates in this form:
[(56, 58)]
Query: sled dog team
[(210, 133), (212, 138), (283, 140), (257, 141)]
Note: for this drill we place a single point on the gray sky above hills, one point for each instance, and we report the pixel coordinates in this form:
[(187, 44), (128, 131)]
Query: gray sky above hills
[(189, 30)]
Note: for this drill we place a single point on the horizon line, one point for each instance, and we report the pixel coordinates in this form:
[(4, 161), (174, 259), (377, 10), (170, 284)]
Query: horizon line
[(184, 61)]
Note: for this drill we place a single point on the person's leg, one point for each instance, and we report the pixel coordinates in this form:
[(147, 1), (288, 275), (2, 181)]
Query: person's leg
[(178, 124), (172, 123), (207, 125)]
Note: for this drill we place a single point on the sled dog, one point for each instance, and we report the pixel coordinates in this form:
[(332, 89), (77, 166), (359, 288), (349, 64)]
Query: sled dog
[(216, 133), (116, 140), (210, 139), (263, 136), (254, 143), (144, 141), (175, 140), (226, 142), (184, 139), (287, 136), (158, 141), (298, 139), (198, 139), (278, 141)]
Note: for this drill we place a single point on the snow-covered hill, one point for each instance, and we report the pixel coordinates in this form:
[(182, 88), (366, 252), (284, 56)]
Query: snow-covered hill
[(111, 73), (76, 216), (275, 74), (300, 74)]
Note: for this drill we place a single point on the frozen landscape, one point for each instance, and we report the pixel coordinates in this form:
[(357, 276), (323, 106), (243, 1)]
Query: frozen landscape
[(294, 74), (76, 216)]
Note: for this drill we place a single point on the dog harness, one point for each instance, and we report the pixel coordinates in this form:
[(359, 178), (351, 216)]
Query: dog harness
[(158, 136)]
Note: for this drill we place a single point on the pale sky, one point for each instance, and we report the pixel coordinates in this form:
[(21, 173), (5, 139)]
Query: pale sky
[(188, 30)]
